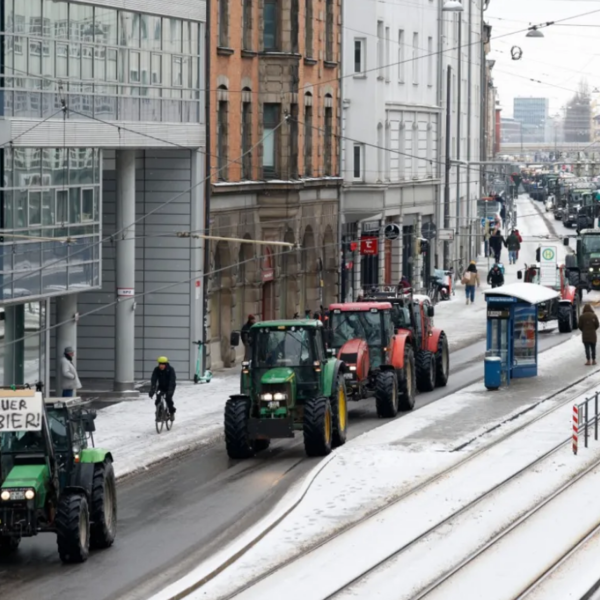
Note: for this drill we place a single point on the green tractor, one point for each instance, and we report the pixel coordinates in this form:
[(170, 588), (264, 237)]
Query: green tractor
[(52, 479), (291, 384), (583, 267)]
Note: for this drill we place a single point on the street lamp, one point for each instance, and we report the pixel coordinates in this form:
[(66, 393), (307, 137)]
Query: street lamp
[(534, 32), (452, 6)]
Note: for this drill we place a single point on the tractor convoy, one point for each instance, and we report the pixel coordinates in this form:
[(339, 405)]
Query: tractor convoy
[(303, 373)]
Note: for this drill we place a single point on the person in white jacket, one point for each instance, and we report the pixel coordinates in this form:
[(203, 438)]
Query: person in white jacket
[(70, 380)]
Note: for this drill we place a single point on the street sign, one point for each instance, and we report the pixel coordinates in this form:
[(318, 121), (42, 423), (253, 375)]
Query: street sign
[(548, 262), (446, 235), (369, 246), (428, 230), (391, 231)]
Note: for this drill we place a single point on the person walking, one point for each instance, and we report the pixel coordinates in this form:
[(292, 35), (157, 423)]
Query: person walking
[(496, 243), (70, 379), (470, 279), (520, 241), (513, 245), (588, 323), (495, 277), (245, 335)]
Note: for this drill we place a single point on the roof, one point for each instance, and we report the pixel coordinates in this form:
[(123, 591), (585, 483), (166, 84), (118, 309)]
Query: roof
[(288, 323), (360, 306), (531, 293), (589, 231)]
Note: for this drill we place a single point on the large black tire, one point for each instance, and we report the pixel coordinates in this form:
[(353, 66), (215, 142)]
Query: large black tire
[(575, 315), (104, 506), (237, 439), (425, 364), (9, 544), (260, 445), (73, 528), (442, 362), (386, 394), (318, 427), (339, 409), (407, 388), (565, 319)]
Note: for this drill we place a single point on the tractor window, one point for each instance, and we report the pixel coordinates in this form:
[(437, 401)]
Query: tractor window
[(58, 424), (283, 348), (356, 325), (590, 244), (418, 319), (21, 441), (388, 326)]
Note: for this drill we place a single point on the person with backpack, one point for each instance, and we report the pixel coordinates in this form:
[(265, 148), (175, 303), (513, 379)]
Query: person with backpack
[(470, 280), (495, 277), (513, 245)]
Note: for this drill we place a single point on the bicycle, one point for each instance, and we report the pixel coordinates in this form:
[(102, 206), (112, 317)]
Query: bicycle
[(163, 416)]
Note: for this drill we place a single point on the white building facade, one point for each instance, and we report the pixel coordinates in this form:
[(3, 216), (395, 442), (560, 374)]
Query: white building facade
[(393, 145)]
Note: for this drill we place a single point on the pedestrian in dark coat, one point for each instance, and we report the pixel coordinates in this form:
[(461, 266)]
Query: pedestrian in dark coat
[(495, 277), (245, 335), (514, 245), (496, 243), (588, 323)]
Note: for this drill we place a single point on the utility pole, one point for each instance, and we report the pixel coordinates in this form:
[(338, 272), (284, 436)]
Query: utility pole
[(448, 160)]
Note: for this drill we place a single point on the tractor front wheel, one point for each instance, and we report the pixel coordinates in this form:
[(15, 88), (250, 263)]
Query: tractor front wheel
[(73, 528), (9, 544), (318, 427), (565, 319), (237, 440), (104, 506), (425, 371), (339, 408), (386, 394), (442, 362), (408, 383)]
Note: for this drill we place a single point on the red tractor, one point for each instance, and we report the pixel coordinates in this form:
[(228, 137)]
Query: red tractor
[(380, 361), (413, 314), (566, 309)]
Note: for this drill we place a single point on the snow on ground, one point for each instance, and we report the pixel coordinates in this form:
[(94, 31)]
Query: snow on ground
[(464, 324), (127, 429), (385, 463)]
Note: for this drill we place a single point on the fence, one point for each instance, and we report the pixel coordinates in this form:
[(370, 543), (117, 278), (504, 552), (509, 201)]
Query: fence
[(583, 421)]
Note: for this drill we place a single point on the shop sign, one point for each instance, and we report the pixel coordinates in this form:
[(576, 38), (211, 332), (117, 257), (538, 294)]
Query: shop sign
[(369, 246)]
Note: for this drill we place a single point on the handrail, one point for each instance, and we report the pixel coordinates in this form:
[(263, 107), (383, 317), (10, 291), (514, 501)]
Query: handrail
[(582, 421)]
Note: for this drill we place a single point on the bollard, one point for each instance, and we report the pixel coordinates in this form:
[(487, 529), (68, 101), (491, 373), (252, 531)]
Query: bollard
[(575, 429)]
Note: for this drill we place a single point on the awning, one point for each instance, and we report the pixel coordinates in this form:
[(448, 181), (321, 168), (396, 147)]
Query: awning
[(531, 293)]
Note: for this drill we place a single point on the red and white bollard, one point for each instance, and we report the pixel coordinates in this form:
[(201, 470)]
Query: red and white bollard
[(575, 428)]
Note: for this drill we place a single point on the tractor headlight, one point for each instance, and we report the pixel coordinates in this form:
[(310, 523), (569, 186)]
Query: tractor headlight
[(29, 495), (591, 269), (352, 367), (5, 495), (266, 397), (279, 396)]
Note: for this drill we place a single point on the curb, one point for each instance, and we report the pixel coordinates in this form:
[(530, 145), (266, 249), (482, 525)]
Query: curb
[(224, 559)]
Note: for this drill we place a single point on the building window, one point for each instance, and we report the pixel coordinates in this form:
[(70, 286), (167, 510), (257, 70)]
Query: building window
[(329, 55), (415, 57), (62, 207), (429, 164), (294, 22), (269, 140), (358, 159), (246, 140), (308, 28), (359, 55), (224, 23), (308, 140), (380, 152), (328, 139), (222, 120), (380, 48), (430, 61), (270, 25), (401, 56), (247, 25), (293, 141)]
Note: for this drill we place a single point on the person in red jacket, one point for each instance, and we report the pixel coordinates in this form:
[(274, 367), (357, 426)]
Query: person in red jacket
[(520, 240)]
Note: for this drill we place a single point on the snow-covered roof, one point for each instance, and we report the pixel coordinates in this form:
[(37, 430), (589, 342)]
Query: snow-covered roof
[(527, 292)]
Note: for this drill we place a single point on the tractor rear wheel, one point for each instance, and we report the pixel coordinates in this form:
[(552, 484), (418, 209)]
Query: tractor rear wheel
[(425, 363), (318, 427), (386, 394), (575, 316), (9, 544), (237, 440), (565, 319), (408, 383), (442, 362), (260, 445), (104, 506), (339, 408), (73, 528)]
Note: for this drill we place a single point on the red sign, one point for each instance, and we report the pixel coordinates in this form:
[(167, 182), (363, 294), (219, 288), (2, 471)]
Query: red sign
[(267, 272), (353, 246), (369, 246)]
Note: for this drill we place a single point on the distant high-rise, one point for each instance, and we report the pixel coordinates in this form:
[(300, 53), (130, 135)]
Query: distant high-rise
[(533, 114)]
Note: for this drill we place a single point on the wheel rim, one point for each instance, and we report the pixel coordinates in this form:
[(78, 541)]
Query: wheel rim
[(109, 506), (83, 529), (342, 408), (328, 426)]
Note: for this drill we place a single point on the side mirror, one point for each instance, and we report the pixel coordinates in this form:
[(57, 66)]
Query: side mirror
[(89, 424), (565, 241), (234, 339), (519, 274), (430, 311)]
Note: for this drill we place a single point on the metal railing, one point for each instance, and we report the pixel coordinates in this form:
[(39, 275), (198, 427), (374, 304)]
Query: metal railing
[(584, 420)]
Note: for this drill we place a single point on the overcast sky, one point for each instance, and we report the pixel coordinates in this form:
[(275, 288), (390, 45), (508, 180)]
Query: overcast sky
[(562, 58)]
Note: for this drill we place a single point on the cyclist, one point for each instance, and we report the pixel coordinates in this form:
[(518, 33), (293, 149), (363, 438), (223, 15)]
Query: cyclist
[(164, 381)]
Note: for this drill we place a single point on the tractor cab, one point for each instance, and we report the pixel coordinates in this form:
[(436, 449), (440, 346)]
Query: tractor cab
[(584, 267)]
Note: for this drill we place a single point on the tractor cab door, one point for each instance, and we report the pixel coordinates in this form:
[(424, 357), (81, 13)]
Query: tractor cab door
[(419, 324)]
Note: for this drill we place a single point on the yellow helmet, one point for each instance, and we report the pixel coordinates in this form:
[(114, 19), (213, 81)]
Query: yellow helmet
[(162, 360)]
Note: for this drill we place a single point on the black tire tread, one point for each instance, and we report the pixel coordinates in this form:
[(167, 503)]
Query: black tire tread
[(100, 535), (69, 508), (441, 378), (315, 443), (386, 394), (406, 393), (237, 442), (565, 317), (9, 544), (425, 366)]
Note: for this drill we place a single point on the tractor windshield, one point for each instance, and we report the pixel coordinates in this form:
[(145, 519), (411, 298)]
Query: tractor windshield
[(15, 442), (356, 325), (590, 245), (283, 348)]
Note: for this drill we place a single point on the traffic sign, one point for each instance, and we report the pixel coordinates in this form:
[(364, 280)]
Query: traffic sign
[(446, 235), (391, 231), (428, 230), (548, 262)]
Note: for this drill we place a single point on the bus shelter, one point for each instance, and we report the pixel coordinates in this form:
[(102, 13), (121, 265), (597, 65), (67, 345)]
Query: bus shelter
[(512, 331)]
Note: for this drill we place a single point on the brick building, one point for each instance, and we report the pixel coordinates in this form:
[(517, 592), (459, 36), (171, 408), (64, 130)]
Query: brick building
[(274, 120)]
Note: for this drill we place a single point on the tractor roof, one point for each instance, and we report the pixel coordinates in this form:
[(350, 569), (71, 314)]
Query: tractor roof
[(287, 323), (360, 306), (589, 232), (65, 402)]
